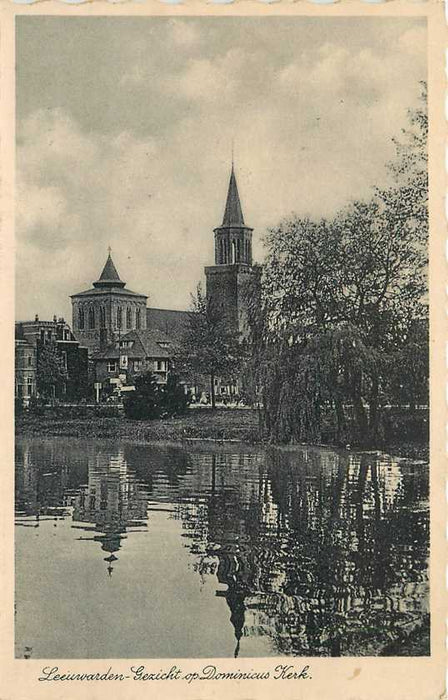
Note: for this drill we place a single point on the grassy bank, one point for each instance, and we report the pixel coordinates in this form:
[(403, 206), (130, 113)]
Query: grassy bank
[(202, 424), (197, 424)]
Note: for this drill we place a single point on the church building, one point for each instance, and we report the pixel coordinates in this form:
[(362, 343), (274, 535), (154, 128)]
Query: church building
[(107, 310), (116, 326), (232, 275)]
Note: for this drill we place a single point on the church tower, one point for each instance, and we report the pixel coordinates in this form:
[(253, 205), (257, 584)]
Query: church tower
[(229, 279), (108, 309)]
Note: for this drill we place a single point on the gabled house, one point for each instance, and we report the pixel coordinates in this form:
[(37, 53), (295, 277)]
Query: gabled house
[(133, 353)]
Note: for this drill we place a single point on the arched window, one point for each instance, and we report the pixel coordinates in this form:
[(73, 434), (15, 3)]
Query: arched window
[(91, 318), (119, 317), (238, 250), (233, 252), (81, 318), (102, 317), (137, 318), (128, 318)]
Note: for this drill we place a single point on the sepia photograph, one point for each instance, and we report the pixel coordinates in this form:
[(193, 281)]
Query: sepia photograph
[(221, 337)]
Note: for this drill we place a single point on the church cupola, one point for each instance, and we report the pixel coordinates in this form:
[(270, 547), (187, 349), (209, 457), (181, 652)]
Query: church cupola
[(100, 314), (109, 276), (233, 239)]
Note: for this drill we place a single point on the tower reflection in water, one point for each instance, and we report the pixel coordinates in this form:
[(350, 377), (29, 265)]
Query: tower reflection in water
[(113, 501), (320, 553)]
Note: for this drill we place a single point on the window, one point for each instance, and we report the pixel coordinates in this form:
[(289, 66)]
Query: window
[(29, 387), (233, 252), (91, 318), (102, 317), (128, 318), (81, 318), (30, 360), (137, 365), (123, 361), (64, 359), (112, 366), (119, 317), (137, 318), (160, 365), (42, 335)]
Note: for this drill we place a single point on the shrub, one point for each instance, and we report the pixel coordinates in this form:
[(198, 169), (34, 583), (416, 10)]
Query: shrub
[(37, 406), (173, 399), (144, 402)]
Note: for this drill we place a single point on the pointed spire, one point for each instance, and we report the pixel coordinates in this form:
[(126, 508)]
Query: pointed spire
[(109, 271), (233, 215), (109, 276)]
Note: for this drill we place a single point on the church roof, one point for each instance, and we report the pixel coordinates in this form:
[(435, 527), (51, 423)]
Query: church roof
[(109, 282), (109, 276), (109, 271), (170, 321), (102, 291), (233, 214)]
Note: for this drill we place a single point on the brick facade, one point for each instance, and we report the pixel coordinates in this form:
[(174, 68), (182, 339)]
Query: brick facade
[(229, 281), (107, 310)]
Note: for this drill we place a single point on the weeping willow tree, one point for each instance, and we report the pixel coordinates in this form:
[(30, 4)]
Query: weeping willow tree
[(339, 298)]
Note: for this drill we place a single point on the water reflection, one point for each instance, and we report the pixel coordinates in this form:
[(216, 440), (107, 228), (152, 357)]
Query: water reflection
[(311, 552)]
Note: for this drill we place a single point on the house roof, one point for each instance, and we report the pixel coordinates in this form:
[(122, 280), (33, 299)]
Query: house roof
[(145, 344)]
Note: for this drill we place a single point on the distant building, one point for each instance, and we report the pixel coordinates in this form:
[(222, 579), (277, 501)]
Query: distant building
[(25, 370), (231, 278), (31, 338), (102, 313), (134, 353), (125, 338), (107, 311)]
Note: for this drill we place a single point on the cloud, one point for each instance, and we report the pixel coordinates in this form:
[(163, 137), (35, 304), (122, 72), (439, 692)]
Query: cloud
[(213, 81), (142, 164), (184, 33)]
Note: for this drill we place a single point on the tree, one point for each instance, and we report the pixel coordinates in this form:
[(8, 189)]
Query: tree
[(209, 347), (51, 372), (144, 402), (173, 399), (340, 298)]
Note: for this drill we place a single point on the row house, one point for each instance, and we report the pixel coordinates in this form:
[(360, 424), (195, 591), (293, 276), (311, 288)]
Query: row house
[(31, 338)]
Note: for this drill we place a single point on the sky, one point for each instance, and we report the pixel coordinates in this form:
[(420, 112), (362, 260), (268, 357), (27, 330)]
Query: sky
[(125, 129)]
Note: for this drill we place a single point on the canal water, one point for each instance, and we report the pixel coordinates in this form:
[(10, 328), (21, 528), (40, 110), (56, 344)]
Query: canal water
[(126, 550)]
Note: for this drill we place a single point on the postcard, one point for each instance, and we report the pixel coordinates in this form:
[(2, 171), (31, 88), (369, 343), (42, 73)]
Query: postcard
[(223, 318)]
